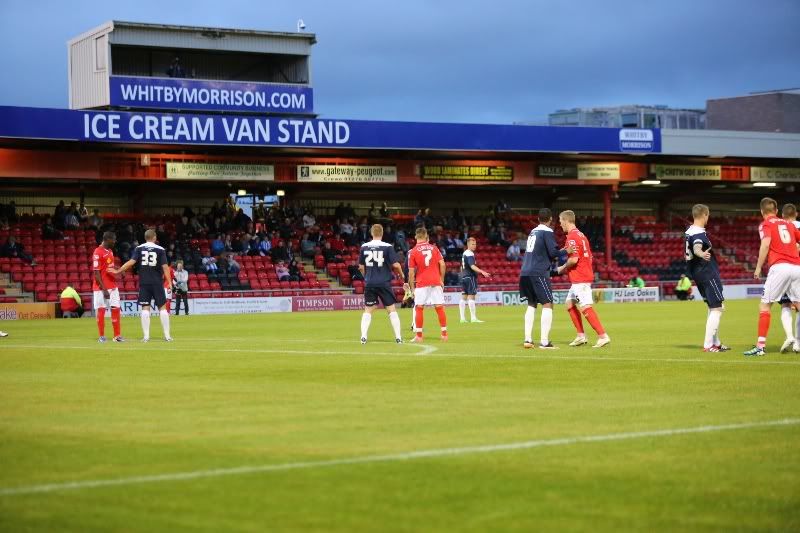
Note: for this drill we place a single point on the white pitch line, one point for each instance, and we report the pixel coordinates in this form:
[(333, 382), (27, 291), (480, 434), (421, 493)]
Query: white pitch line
[(429, 350), (394, 457)]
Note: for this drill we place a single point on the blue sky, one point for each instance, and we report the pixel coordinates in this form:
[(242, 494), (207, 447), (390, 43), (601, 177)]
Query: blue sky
[(467, 61)]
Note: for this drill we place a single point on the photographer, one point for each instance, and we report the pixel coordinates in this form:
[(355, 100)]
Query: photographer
[(181, 288)]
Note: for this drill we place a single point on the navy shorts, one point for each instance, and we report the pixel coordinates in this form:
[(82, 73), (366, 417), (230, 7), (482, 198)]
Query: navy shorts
[(469, 286), (536, 290), (374, 294), (785, 300), (149, 293), (711, 291)]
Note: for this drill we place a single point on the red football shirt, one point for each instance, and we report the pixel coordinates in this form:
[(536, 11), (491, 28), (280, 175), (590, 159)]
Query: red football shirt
[(102, 258), (171, 279), (424, 258), (783, 246), (582, 272)]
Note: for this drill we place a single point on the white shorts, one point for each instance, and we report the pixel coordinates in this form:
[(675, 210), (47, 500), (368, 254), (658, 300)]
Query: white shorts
[(783, 278), (433, 295), (581, 293), (168, 293), (100, 301)]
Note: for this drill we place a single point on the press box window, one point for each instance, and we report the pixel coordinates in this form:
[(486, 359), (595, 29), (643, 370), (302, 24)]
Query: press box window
[(100, 53)]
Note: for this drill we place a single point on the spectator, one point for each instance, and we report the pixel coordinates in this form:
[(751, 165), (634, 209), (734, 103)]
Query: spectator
[(4, 225), (83, 213), (175, 69), (636, 282), (280, 253), (264, 247), (282, 271), (14, 249), (349, 212), (384, 211), (95, 221), (307, 246), (184, 229), (339, 212), (233, 266), (346, 229), (514, 253), (286, 230), (331, 255), (162, 237), (371, 213), (181, 288), (49, 231), (684, 288), (71, 304), (228, 242), (294, 272), (241, 220), (309, 220), (59, 214), (255, 242), (362, 235), (241, 246), (71, 219), (210, 264), (260, 213), (400, 241), (337, 243), (497, 236), (195, 226)]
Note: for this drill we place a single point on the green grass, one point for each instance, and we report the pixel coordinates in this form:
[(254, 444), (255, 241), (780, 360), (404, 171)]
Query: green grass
[(272, 389)]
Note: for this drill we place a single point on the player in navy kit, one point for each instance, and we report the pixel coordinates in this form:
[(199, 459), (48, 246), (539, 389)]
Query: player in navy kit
[(377, 261), (534, 279), (703, 269), (469, 282), (151, 262)]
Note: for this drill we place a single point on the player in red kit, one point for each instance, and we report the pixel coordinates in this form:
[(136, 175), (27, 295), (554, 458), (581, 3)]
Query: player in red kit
[(168, 286), (778, 250), (104, 285), (426, 268), (581, 274)]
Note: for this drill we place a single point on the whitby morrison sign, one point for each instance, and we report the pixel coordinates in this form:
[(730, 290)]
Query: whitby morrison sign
[(253, 130), (203, 95)]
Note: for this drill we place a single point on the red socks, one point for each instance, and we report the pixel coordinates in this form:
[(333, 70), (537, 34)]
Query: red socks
[(763, 327), (419, 313), (575, 315), (593, 320), (101, 321), (115, 314), (442, 317)]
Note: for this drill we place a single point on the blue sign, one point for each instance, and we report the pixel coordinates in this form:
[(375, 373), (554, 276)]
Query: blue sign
[(202, 95), (249, 130)]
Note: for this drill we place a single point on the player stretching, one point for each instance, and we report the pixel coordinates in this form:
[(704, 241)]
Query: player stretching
[(469, 282), (376, 263), (104, 286), (534, 279), (703, 269), (151, 260), (581, 274), (789, 213), (779, 250), (426, 268)]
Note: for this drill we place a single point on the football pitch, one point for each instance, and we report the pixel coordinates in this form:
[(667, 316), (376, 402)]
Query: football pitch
[(284, 422)]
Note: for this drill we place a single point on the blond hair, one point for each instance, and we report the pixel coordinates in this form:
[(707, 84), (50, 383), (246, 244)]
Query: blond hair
[(568, 215)]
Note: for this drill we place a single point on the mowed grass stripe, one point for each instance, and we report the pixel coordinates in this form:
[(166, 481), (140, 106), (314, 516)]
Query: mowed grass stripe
[(405, 456)]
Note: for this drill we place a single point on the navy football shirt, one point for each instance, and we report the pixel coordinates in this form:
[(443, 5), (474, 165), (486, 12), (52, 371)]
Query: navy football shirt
[(150, 260), (377, 258), (699, 268)]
